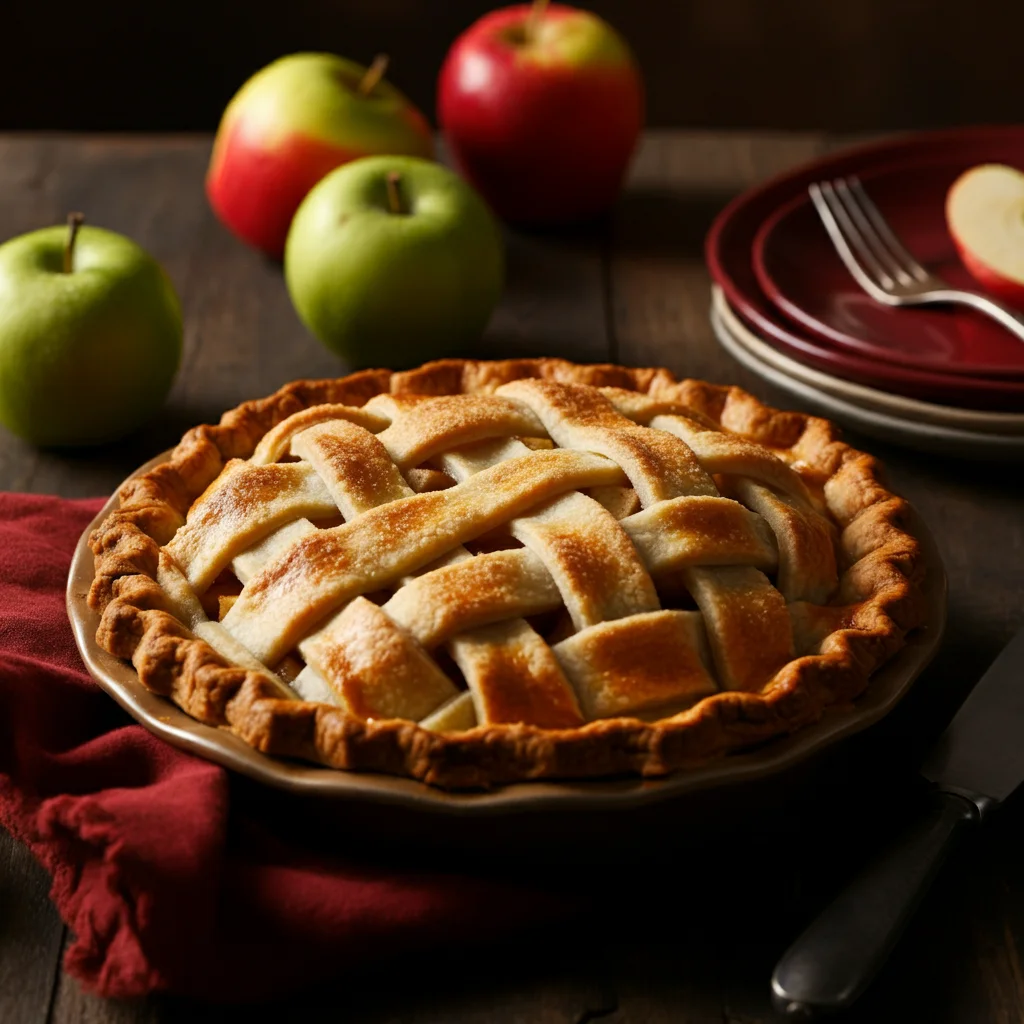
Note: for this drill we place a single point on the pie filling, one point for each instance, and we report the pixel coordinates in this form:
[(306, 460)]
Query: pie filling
[(549, 554)]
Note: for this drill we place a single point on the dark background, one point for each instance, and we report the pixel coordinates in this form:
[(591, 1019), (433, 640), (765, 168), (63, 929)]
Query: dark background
[(849, 65)]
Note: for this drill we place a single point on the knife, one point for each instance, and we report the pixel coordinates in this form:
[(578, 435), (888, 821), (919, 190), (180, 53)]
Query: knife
[(975, 765)]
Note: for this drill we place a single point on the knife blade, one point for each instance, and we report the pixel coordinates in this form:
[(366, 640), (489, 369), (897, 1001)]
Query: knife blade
[(981, 754), (975, 765)]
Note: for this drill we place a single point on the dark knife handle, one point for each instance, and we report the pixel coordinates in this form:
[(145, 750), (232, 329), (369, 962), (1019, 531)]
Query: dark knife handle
[(834, 960)]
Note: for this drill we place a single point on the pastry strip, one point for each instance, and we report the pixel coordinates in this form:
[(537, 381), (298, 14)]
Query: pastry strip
[(514, 677), (656, 463), (727, 453), (353, 464), (377, 669), (746, 621), (275, 441), (594, 564), (324, 571), (700, 530), (451, 421), (239, 509), (611, 677), (473, 592), (807, 558)]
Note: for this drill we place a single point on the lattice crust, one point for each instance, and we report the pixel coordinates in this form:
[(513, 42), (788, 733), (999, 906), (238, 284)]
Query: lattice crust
[(479, 572)]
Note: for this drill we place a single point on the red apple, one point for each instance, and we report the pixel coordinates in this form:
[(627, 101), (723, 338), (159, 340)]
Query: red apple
[(985, 215), (541, 107), (291, 123)]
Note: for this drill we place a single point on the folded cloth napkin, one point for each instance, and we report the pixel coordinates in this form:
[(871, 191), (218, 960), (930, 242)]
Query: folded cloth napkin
[(167, 881)]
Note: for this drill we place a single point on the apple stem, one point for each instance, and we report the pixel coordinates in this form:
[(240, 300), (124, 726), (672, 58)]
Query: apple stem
[(394, 196), (374, 73), (533, 19), (74, 223)]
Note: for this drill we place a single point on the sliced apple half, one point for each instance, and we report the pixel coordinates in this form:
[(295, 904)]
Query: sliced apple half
[(985, 215)]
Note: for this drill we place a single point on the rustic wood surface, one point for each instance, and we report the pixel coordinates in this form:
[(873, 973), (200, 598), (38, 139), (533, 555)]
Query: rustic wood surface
[(694, 941)]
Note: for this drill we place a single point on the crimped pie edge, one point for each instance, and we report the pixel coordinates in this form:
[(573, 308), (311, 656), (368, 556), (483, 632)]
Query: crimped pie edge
[(882, 567)]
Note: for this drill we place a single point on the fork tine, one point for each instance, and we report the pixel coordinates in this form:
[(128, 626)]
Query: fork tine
[(846, 239), (868, 232), (907, 261)]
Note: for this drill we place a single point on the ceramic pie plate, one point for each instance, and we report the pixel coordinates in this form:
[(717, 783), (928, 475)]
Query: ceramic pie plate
[(384, 792), (920, 425)]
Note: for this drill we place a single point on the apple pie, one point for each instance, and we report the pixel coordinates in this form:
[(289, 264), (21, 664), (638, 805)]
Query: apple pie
[(479, 572)]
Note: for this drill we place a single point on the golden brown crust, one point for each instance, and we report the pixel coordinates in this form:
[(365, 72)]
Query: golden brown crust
[(880, 594)]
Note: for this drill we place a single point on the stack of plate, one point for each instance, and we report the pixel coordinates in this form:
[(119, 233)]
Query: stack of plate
[(943, 379)]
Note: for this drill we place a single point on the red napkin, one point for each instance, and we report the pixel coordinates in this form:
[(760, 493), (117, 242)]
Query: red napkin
[(168, 881)]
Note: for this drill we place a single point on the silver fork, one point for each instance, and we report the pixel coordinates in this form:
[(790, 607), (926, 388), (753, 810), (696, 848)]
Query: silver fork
[(880, 263)]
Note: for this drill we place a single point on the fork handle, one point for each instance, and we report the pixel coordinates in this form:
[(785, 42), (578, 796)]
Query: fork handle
[(1002, 315)]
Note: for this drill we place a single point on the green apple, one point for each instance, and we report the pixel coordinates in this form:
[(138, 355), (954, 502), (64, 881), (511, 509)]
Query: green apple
[(90, 335), (393, 260)]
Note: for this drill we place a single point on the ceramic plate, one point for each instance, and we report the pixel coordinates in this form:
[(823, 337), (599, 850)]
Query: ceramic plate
[(170, 723), (729, 250), (923, 436), (975, 420), (798, 269)]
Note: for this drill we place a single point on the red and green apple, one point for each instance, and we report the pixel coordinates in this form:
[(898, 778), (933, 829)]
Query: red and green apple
[(985, 216), (541, 107), (291, 123)]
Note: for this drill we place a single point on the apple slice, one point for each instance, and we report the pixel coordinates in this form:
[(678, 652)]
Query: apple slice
[(985, 215)]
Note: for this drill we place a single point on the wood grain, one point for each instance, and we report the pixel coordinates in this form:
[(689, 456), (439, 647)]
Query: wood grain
[(546, 986), (30, 935), (694, 942)]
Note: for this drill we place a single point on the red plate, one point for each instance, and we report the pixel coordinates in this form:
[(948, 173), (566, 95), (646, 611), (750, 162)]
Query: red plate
[(799, 270), (729, 250)]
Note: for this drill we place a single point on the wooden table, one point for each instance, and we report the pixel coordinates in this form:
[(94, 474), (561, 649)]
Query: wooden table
[(633, 291)]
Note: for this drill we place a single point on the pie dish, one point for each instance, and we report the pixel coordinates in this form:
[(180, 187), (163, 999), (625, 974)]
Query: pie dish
[(475, 573)]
